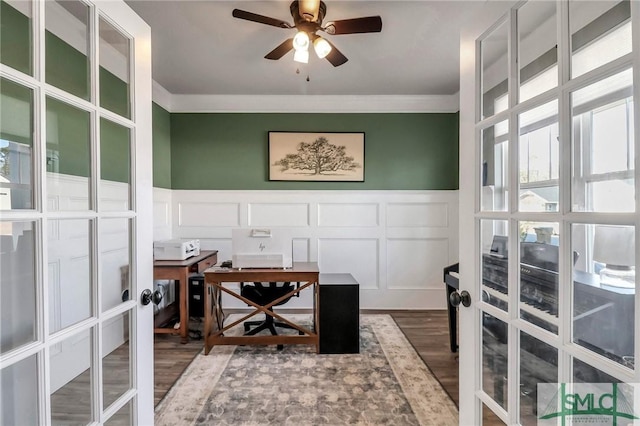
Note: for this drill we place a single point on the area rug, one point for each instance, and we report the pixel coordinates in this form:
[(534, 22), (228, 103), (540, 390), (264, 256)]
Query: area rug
[(385, 384)]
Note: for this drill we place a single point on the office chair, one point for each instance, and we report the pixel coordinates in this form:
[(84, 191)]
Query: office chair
[(263, 295)]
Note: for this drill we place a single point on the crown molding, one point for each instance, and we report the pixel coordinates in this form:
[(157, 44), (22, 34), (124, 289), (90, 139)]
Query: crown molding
[(161, 96), (305, 103)]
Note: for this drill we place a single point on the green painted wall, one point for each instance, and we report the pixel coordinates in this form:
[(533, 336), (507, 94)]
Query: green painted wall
[(161, 147), (230, 151)]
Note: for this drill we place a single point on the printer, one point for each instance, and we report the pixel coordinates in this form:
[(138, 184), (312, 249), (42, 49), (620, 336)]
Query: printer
[(175, 249)]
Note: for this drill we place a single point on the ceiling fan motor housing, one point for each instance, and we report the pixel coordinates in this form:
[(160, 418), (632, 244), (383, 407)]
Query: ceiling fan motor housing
[(300, 20)]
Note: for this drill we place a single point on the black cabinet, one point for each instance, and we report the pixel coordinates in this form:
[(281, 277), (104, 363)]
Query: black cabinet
[(339, 314), (196, 295)]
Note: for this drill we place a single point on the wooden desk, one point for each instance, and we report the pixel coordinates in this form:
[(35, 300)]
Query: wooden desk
[(179, 270), (304, 272)]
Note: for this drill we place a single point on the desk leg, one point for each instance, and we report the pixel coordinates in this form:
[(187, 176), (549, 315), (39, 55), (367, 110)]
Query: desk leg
[(453, 320), (316, 319), (207, 316), (184, 305)]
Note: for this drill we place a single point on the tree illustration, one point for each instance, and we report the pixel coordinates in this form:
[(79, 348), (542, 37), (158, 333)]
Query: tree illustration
[(319, 157)]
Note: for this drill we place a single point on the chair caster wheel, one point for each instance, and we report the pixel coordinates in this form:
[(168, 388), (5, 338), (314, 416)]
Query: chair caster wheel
[(280, 347), (246, 327)]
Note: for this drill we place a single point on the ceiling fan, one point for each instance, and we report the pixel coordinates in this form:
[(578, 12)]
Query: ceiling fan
[(307, 19)]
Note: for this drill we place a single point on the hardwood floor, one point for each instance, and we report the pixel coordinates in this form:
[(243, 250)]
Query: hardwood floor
[(426, 330)]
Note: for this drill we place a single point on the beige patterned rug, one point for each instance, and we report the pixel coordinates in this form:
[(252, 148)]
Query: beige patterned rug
[(385, 384)]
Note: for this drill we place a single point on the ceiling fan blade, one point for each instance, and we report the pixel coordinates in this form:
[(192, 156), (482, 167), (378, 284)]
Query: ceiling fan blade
[(368, 24), (254, 17), (281, 50), (335, 56)]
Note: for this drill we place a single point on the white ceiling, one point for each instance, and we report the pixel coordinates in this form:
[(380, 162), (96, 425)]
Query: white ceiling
[(199, 48)]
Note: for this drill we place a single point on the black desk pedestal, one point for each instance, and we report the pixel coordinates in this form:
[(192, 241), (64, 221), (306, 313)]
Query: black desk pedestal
[(339, 314)]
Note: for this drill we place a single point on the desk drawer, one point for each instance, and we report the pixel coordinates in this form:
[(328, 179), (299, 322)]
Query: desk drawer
[(204, 264)]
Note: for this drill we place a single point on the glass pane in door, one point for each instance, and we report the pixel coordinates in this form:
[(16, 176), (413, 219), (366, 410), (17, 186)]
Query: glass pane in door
[(15, 35), (122, 417), (116, 359), (19, 396), (72, 380), (115, 259), (495, 70), (114, 69), (604, 290), (16, 146), (538, 364), (67, 46), (494, 192), (539, 259), (69, 272), (494, 358), (603, 146), (600, 33), (539, 163), (18, 296), (68, 156), (537, 48), (115, 166), (495, 261)]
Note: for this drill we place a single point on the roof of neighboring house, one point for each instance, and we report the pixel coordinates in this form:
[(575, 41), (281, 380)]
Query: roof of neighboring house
[(550, 193)]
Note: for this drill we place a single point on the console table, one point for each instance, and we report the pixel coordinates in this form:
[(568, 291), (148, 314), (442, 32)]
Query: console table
[(215, 278), (179, 270)]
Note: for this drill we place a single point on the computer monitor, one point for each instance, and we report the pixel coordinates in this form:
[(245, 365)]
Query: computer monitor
[(261, 248)]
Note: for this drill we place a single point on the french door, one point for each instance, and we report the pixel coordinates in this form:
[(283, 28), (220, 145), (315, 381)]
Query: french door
[(75, 208), (549, 131)]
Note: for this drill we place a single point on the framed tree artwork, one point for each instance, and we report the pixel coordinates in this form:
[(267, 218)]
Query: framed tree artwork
[(316, 156)]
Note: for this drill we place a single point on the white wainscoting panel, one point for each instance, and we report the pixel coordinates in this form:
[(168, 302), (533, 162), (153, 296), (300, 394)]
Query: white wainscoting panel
[(348, 215), (280, 214), (161, 214), (208, 214), (417, 215), (395, 243), (358, 256), (409, 269)]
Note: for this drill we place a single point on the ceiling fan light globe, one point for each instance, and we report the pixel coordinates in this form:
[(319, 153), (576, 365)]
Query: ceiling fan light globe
[(322, 47), (301, 41), (301, 56)]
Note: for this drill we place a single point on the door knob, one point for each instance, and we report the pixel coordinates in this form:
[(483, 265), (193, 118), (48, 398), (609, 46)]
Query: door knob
[(146, 297), (463, 297)]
